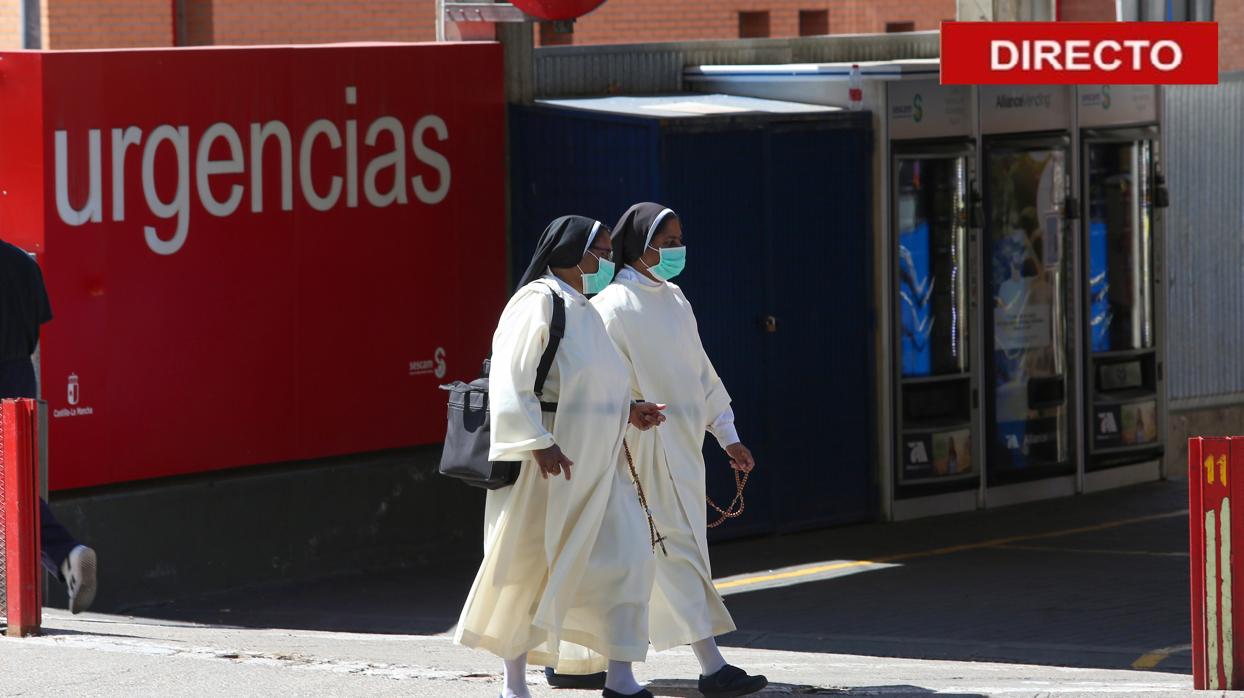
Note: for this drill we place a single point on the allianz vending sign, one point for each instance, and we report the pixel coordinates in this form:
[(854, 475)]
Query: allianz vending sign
[(254, 255)]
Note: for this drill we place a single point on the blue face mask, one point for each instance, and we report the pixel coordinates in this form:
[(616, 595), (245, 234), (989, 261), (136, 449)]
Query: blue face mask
[(597, 281), (673, 260)]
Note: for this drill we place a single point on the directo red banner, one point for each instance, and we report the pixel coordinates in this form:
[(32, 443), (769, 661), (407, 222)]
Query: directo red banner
[(1079, 53)]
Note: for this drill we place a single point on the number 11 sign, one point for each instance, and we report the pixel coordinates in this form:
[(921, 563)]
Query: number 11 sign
[(1212, 482)]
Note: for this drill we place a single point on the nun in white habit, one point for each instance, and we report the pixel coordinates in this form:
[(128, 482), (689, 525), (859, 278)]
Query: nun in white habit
[(567, 554), (652, 324)]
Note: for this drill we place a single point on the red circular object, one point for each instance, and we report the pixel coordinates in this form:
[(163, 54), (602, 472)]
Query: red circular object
[(557, 9)]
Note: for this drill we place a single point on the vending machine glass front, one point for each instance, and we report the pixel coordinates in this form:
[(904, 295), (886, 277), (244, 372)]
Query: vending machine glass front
[(1027, 264), (932, 272), (1122, 385)]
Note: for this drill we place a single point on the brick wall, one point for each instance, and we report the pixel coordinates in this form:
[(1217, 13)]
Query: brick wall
[(635, 21), (1230, 17), (10, 24), (1088, 11), (69, 24), (308, 21), (1228, 13)]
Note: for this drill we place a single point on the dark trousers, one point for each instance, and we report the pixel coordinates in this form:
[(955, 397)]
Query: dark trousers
[(56, 541), (17, 380)]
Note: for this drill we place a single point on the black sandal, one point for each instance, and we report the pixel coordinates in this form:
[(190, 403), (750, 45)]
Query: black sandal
[(730, 682), (643, 693), (591, 682)]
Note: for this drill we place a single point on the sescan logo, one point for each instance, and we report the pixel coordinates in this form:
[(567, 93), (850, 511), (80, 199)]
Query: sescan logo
[(398, 146), (917, 108), (435, 366), (439, 358)]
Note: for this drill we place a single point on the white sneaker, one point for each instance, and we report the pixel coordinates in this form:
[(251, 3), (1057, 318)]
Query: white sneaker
[(79, 572)]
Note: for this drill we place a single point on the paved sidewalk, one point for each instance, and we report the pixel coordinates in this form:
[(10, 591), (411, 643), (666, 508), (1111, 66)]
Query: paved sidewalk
[(1083, 596), (111, 656), (1099, 581)]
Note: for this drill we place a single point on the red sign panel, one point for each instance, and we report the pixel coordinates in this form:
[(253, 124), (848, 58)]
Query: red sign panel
[(1215, 481), (254, 255), (1079, 53)]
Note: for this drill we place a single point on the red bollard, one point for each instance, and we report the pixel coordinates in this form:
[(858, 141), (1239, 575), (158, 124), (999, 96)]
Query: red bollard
[(1212, 486), (19, 515)]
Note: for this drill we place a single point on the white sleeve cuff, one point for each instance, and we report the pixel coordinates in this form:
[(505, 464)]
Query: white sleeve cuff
[(723, 428), (726, 436), (520, 450)]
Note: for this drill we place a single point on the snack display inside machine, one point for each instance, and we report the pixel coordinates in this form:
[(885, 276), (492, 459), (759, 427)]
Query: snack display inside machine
[(1030, 336), (933, 196), (1123, 363)]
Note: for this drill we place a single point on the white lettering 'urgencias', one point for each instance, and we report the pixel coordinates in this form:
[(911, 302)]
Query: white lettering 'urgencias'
[(220, 151)]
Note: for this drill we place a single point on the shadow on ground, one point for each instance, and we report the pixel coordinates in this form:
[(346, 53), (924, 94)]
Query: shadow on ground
[(687, 689), (1097, 581)]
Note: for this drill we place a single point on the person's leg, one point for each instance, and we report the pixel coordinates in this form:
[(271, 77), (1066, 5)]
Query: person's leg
[(622, 679), (68, 560), (710, 657), (56, 542), (516, 677)]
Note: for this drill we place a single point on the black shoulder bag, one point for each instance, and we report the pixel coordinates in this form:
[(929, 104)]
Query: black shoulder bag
[(467, 437)]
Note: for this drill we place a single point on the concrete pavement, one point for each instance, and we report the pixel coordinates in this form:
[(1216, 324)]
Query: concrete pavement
[(1083, 596), (115, 656)]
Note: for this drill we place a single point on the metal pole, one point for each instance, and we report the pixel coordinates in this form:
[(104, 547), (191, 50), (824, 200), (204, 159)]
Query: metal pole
[(1080, 407), (518, 48), (887, 361), (518, 45), (32, 24)]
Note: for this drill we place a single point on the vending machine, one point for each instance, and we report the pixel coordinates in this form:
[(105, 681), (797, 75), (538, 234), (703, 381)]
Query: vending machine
[(1122, 190), (1029, 291), (1017, 279), (934, 221)]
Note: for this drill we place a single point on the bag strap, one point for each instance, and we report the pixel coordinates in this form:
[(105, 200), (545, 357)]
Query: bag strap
[(557, 330)]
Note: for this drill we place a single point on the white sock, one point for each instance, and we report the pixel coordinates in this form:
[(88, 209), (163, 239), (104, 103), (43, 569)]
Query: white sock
[(621, 679), (710, 657), (516, 677)]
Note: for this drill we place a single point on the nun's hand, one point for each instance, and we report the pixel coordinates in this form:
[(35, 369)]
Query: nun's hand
[(740, 458), (645, 415), (552, 462)]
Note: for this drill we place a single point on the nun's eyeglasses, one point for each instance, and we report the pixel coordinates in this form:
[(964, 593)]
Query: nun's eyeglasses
[(603, 254)]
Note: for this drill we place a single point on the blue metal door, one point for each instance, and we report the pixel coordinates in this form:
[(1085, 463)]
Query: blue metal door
[(819, 382), (710, 178)]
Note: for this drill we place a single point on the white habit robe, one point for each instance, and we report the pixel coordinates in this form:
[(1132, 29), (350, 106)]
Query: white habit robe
[(655, 330), (563, 561)]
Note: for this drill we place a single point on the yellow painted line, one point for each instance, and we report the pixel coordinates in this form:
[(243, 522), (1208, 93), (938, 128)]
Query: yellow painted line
[(998, 542), (1211, 597), (1156, 657), (1224, 571), (993, 543), (1090, 551), (792, 574)]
